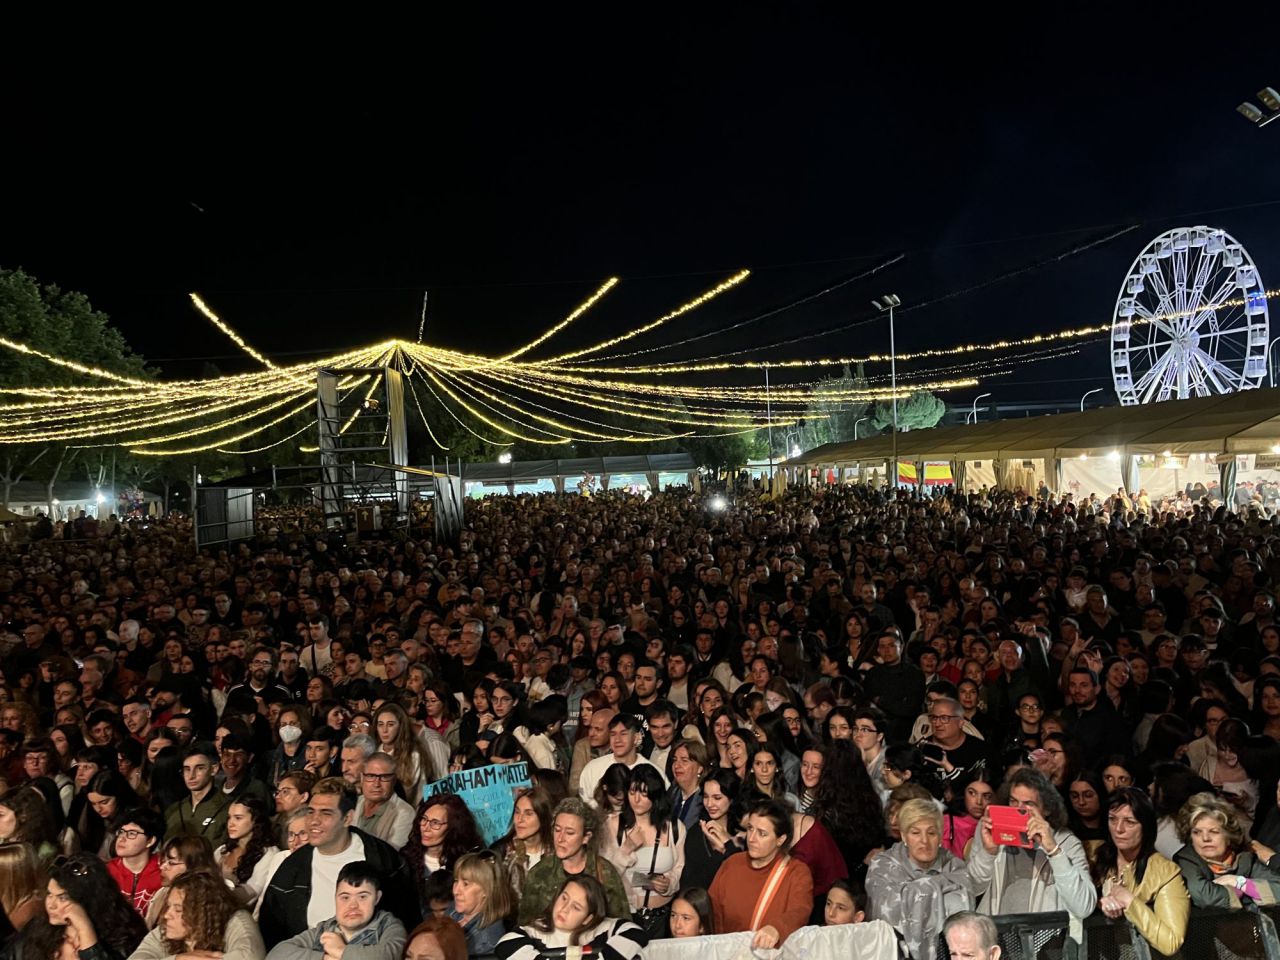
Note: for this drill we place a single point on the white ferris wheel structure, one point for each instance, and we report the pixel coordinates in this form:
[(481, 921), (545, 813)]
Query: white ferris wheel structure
[(1190, 321)]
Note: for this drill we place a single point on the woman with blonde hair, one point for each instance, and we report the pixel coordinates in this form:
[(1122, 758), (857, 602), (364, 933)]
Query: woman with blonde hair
[(917, 883), (394, 732), (21, 893), (481, 900), (202, 917), (1216, 862)]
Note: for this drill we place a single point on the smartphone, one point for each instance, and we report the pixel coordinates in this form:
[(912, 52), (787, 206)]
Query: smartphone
[(1009, 826)]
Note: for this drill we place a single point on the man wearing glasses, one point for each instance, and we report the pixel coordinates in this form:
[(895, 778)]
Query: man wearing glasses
[(136, 866), (301, 894), (956, 754), (381, 812)]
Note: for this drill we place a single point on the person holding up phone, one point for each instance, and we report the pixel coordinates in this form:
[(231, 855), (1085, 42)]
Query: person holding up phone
[(1052, 873)]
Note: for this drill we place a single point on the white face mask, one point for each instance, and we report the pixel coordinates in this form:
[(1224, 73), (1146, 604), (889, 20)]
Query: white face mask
[(289, 733)]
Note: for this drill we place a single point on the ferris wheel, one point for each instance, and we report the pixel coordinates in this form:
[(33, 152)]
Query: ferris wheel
[(1190, 321)]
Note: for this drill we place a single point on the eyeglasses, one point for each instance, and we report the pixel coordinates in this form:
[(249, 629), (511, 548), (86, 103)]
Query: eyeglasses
[(942, 718), (130, 834), (387, 778), (435, 824)]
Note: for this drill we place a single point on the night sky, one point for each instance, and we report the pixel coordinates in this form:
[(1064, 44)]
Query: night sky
[(312, 186)]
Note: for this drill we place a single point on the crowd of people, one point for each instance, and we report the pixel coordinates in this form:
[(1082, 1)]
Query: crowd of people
[(814, 709)]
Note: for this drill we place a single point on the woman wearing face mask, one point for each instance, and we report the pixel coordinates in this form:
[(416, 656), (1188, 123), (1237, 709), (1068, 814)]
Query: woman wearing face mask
[(578, 916), (292, 728)]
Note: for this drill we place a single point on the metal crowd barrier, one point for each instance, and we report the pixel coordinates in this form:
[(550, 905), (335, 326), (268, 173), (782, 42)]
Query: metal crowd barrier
[(1029, 936)]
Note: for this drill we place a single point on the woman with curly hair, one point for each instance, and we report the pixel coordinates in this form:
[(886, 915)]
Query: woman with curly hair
[(394, 732), (1217, 864), (246, 856), (25, 818), (847, 804), (445, 831), (202, 917), (76, 886)]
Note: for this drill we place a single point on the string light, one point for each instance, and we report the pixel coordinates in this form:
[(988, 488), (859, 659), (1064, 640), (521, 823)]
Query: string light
[(693, 304), (231, 334), (583, 308)]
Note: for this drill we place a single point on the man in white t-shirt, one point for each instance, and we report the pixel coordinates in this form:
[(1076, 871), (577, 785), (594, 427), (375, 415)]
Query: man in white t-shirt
[(301, 894), (625, 735), (317, 656)]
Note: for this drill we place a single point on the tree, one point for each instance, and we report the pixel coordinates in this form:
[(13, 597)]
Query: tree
[(920, 411), (62, 323)]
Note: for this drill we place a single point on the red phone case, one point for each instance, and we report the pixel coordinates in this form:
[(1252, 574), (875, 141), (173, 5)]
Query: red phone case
[(1009, 826)]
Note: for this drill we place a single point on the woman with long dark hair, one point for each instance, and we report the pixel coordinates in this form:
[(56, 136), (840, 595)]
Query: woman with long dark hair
[(1136, 882), (109, 795), (714, 839), (251, 844), (530, 837), (77, 886), (645, 845), (847, 804), (445, 831)]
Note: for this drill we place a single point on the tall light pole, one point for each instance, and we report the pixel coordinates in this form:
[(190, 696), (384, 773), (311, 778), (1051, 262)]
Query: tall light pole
[(1090, 393), (888, 302), (855, 426), (1269, 99), (975, 405), (768, 407), (1271, 370)]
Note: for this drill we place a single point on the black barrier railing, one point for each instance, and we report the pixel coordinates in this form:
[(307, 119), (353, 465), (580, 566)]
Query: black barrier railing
[(1106, 939), (1029, 936)]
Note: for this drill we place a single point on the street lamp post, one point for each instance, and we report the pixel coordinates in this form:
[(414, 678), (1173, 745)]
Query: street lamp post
[(1088, 394), (888, 302), (855, 426), (975, 405), (1271, 370)]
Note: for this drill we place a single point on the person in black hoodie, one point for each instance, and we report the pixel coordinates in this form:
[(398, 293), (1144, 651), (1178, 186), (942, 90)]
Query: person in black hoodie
[(303, 887)]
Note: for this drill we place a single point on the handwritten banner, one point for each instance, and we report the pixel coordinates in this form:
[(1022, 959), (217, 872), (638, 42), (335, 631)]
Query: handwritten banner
[(489, 792)]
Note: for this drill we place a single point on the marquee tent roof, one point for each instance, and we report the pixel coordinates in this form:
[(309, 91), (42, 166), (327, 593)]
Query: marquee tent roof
[(1245, 422)]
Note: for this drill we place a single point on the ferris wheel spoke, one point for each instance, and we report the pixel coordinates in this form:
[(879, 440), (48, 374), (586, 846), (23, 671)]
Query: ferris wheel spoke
[(1180, 280), (1151, 378), (1222, 376), (1159, 323), (1195, 297), (1208, 308), (1223, 333)]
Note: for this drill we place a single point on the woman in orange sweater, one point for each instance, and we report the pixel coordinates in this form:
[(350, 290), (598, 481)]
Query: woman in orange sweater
[(763, 890)]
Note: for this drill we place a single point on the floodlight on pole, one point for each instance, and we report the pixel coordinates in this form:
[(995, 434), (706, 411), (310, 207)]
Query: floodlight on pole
[(1088, 394), (887, 303), (1260, 118)]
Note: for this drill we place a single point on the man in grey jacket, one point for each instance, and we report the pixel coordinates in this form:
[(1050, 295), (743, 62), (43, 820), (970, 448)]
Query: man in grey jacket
[(358, 930), (1052, 875)]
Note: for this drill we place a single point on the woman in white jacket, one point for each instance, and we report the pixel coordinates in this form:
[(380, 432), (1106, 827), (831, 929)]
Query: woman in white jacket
[(1052, 875), (202, 916)]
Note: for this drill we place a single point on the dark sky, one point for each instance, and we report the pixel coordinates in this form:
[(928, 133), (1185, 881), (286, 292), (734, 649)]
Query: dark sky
[(311, 186)]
